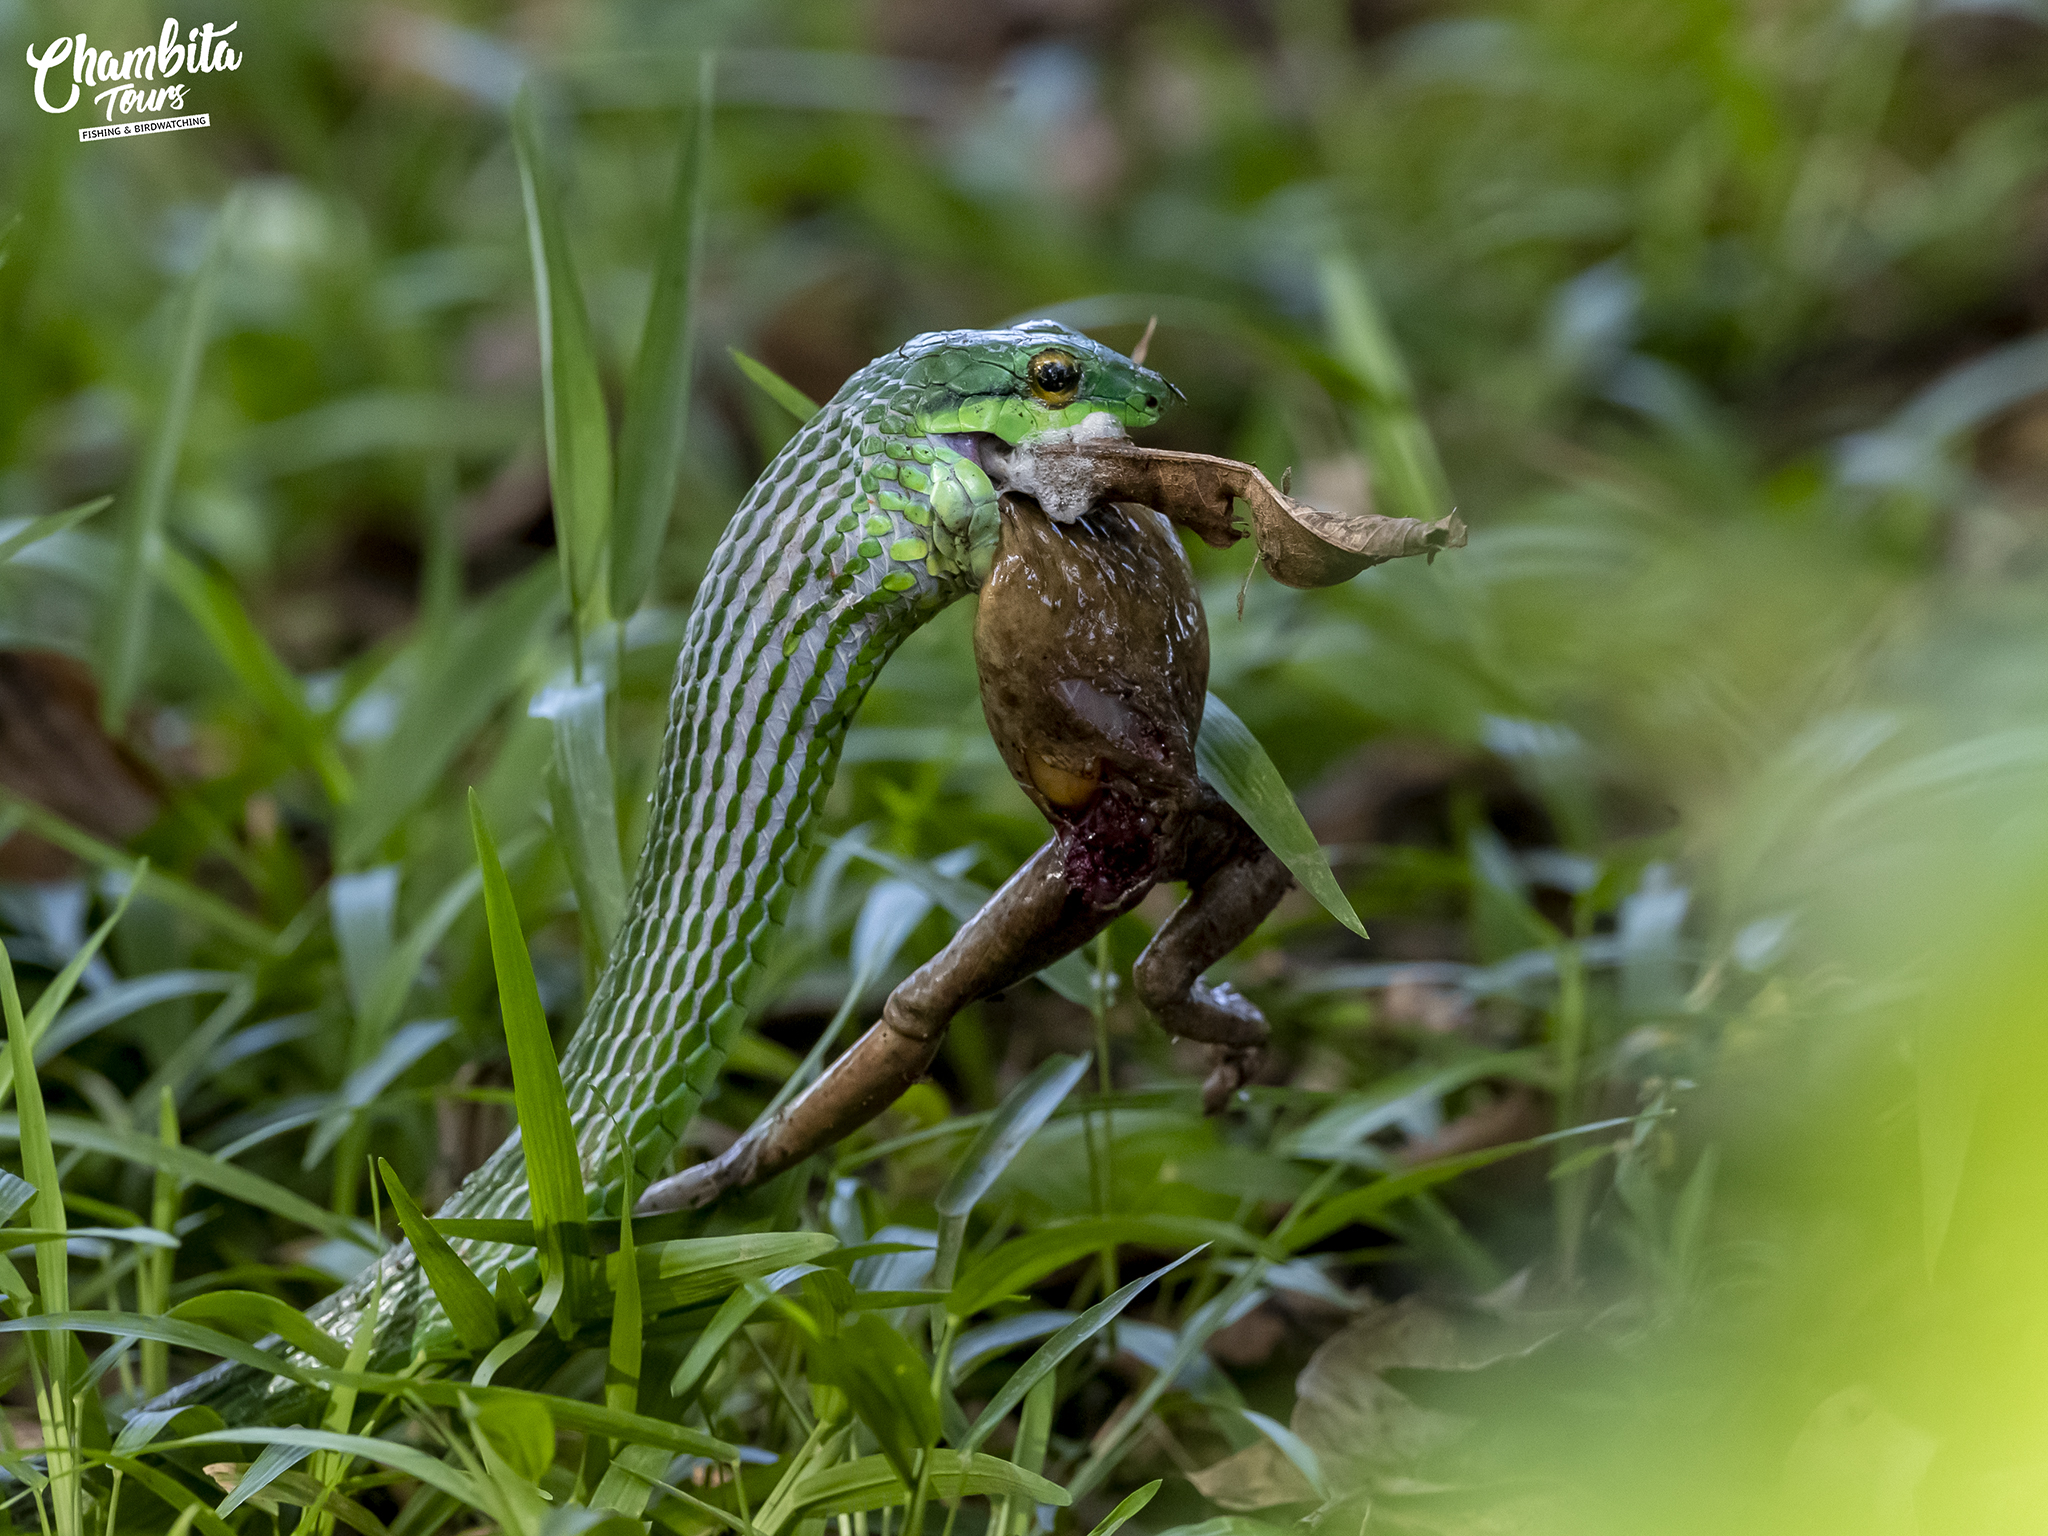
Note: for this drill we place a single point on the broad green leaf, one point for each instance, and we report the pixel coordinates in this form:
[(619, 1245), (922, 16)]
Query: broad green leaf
[(584, 799), (463, 1297), (520, 1430), (888, 1383), (125, 619), (691, 1270), (458, 687), (572, 396), (1393, 436), (1046, 1359), (1133, 1504), (554, 1172), (775, 386), (871, 1483), (1029, 1105), (34, 530), (658, 398), (1232, 761), (214, 605), (1022, 1261), (196, 1167)]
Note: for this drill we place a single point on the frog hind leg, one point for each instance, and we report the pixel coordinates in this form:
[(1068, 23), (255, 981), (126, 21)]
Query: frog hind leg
[(1033, 920), (1233, 880)]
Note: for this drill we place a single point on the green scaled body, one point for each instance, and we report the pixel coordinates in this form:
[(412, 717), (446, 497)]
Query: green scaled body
[(875, 516)]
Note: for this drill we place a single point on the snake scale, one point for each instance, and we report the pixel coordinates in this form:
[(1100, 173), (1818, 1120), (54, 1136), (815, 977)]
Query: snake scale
[(875, 516)]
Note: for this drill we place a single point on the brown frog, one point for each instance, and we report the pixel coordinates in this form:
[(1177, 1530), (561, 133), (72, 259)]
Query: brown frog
[(1093, 655), (1094, 661)]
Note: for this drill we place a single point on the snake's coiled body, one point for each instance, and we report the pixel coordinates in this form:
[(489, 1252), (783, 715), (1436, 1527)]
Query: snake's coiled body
[(876, 515)]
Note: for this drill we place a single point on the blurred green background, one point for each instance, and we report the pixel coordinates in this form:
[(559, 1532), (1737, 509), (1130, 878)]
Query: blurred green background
[(1708, 780)]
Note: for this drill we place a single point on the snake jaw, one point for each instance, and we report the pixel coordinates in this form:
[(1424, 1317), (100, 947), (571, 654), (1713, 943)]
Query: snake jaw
[(1066, 486)]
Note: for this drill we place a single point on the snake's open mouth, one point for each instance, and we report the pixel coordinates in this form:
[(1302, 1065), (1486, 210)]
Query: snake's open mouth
[(1066, 487)]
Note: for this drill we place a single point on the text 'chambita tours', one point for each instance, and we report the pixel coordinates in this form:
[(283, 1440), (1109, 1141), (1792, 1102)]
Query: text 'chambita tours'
[(122, 82)]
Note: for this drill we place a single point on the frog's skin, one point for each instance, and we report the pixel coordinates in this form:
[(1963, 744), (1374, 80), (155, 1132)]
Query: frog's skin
[(1093, 653)]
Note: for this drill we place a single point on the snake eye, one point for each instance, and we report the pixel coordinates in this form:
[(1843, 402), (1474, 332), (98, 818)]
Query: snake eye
[(1055, 376)]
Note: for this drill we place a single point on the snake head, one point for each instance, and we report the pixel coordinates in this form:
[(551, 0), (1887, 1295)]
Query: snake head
[(1031, 379)]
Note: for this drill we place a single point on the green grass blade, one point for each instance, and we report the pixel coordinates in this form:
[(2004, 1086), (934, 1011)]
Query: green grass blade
[(1029, 1105), (184, 1335), (692, 1270), (196, 1167), (265, 680), (871, 1483), (585, 803), (415, 1464), (462, 1295), (567, 1412), (572, 397), (775, 386), (1398, 448), (153, 1273), (1231, 759), (38, 1156), (55, 1403), (1047, 1357), (1363, 1204), (36, 529), (1023, 1261), (658, 400), (1133, 1504), (254, 1314), (459, 686), (126, 628), (1194, 1334), (554, 1172)]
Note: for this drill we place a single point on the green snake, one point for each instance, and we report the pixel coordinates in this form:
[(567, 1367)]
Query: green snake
[(875, 516)]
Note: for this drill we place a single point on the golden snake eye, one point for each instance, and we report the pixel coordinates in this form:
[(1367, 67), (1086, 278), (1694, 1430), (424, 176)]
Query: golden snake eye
[(1055, 377)]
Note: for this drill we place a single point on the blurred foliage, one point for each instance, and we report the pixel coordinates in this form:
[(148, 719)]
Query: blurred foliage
[(1699, 797)]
